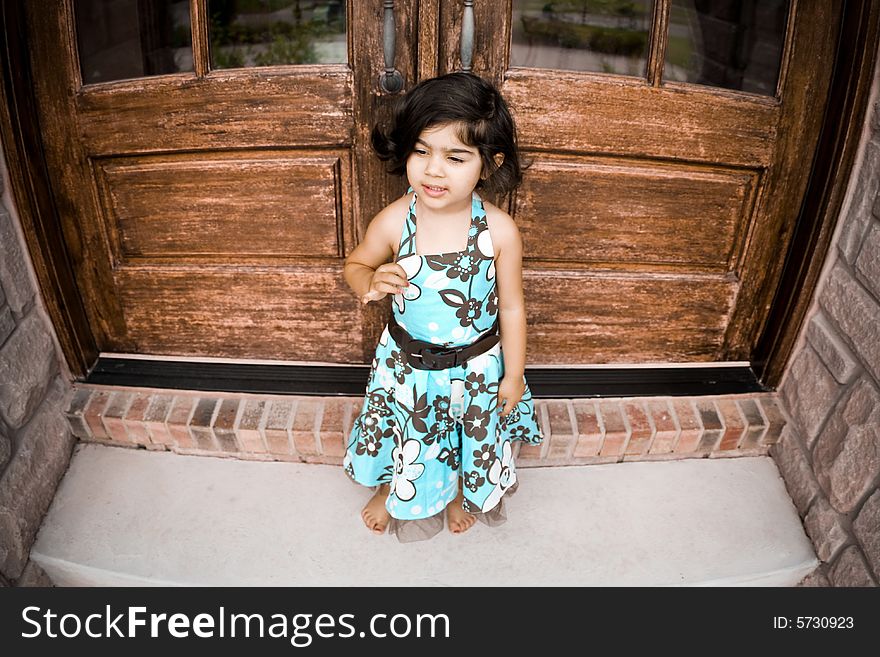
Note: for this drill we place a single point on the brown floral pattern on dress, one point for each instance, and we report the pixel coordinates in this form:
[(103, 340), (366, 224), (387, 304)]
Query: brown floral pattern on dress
[(423, 430)]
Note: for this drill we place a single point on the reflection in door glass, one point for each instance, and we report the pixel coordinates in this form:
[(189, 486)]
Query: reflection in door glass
[(274, 32), (605, 36), (735, 45), (121, 39)]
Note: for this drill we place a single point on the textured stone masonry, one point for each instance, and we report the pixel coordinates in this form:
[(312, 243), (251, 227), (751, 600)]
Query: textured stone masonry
[(829, 453), (316, 429), (35, 440)]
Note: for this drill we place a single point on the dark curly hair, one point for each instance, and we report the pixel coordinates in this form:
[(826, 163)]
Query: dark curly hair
[(464, 98)]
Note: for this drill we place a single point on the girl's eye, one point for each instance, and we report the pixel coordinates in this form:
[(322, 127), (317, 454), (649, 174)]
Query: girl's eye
[(420, 151), (456, 160)]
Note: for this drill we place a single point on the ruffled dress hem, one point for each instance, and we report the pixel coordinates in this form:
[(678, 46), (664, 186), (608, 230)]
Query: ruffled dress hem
[(424, 529)]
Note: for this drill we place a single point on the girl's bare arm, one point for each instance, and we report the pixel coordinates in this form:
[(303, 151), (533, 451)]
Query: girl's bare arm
[(367, 269), (508, 280)]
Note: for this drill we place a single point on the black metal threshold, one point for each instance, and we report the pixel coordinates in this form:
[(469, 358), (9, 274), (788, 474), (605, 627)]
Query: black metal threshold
[(350, 381)]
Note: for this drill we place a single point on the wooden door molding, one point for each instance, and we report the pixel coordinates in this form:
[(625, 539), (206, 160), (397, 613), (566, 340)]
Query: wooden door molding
[(22, 138), (808, 60)]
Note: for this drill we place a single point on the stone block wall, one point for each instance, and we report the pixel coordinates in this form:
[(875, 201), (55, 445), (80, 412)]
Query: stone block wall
[(829, 451), (35, 388)]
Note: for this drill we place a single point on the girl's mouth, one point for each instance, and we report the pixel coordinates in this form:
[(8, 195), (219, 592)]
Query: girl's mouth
[(430, 190)]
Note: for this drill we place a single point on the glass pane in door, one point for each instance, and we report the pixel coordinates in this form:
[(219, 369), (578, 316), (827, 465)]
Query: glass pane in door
[(247, 33), (605, 36), (121, 39), (735, 45)]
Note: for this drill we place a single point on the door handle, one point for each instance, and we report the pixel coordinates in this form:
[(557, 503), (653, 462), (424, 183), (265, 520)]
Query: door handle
[(391, 81), (467, 35)]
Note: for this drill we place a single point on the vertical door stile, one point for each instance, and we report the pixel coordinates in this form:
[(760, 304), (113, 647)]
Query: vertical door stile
[(198, 10), (659, 42), (428, 20)]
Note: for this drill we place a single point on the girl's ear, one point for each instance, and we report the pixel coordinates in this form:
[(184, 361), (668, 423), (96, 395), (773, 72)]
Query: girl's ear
[(499, 160)]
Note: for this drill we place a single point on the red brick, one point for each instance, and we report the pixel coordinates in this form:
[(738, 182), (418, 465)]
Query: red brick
[(134, 419), (113, 414), (691, 429), (75, 413), (94, 413), (775, 420), (562, 431), (278, 426), (665, 429), (616, 433), (529, 452), (641, 430), (712, 427), (560, 418), (589, 429), (756, 425), (154, 420), (200, 424), (249, 434), (333, 422), (224, 425), (178, 421), (734, 426)]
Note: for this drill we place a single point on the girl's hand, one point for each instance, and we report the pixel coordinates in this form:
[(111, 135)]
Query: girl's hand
[(389, 278), (510, 391)]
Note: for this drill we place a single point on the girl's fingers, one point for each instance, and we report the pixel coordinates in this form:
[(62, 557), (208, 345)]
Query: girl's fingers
[(393, 280), (393, 274), (508, 405), (379, 290)]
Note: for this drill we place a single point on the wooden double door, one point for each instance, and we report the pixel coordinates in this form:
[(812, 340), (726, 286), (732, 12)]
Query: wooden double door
[(207, 209)]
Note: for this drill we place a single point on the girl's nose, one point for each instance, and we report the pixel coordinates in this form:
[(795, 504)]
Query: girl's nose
[(434, 167)]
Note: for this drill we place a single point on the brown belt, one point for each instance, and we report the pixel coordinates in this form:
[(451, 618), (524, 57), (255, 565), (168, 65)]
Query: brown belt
[(424, 355)]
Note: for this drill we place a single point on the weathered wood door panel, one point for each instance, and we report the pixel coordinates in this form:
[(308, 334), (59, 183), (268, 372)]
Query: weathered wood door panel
[(656, 213), (207, 212)]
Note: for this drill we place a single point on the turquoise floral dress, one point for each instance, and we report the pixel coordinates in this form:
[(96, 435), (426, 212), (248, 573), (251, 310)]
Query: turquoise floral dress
[(420, 430)]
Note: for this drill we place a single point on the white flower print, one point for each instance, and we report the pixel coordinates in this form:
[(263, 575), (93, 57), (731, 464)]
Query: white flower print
[(456, 399), (484, 244), (412, 291), (502, 474), (385, 378), (411, 265), (405, 471), (436, 281), (481, 363), (403, 394)]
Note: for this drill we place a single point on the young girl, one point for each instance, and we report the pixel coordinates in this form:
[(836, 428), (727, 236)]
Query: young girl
[(446, 397)]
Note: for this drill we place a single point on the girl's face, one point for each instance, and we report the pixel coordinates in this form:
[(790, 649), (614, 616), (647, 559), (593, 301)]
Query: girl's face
[(443, 170)]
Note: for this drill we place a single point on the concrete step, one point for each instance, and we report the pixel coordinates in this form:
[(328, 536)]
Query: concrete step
[(136, 517)]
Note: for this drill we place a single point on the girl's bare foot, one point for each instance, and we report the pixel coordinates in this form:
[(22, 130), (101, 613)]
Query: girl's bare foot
[(374, 514), (459, 520)]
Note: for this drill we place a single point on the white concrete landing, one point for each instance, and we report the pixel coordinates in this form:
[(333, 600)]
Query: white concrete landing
[(133, 517)]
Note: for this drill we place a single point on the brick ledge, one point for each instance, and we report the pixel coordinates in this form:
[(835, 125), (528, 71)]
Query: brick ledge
[(314, 429)]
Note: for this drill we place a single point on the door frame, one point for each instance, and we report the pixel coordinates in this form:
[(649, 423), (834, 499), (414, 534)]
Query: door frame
[(849, 93), (830, 172)]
